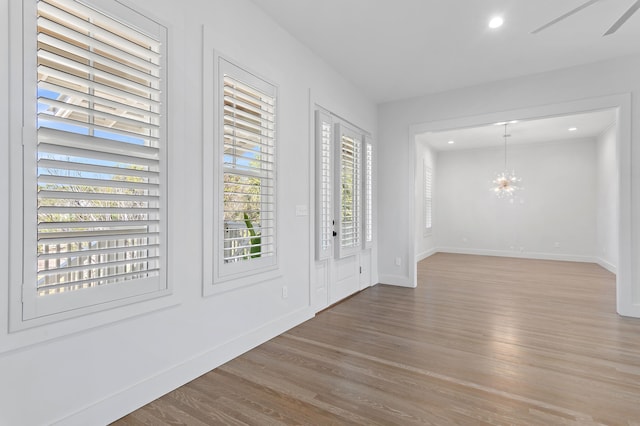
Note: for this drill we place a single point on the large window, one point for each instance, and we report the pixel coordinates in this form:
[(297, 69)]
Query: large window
[(94, 165)]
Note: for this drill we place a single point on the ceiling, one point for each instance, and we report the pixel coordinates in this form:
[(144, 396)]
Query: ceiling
[(587, 125), (395, 49)]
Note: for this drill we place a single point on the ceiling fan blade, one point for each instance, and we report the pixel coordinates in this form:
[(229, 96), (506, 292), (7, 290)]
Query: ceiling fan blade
[(623, 18), (566, 15)]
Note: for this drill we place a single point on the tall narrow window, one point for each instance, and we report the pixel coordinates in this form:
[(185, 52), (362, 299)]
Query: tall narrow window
[(368, 193), (349, 148), (428, 198), (248, 163), (100, 158), (324, 182)]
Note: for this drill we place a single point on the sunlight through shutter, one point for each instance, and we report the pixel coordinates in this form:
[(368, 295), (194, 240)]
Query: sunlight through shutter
[(350, 178), (249, 171), (99, 130)]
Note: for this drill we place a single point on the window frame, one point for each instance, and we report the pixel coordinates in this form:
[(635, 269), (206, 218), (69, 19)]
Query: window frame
[(219, 277), (27, 309)]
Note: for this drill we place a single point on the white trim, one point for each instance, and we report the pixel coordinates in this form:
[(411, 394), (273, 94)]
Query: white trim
[(397, 280), (607, 265), (425, 254), (127, 400), (519, 255), (218, 277)]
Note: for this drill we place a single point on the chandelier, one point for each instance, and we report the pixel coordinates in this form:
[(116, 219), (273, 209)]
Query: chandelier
[(506, 183)]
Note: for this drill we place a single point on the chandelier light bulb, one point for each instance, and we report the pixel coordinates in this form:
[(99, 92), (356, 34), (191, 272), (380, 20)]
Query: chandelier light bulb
[(506, 183)]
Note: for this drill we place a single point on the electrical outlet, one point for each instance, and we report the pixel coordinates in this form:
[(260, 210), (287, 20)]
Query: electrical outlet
[(556, 244), (398, 261), (285, 292)]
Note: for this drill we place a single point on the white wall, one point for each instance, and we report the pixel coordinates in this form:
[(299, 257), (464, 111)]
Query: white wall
[(607, 201), (553, 217), (425, 241), (557, 91), (52, 374)]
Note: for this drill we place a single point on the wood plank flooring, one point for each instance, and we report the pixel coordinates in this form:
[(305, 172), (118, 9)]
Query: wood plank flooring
[(482, 340)]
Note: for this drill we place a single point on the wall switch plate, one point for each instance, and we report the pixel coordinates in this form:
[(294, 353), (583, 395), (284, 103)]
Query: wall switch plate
[(285, 292), (398, 261)]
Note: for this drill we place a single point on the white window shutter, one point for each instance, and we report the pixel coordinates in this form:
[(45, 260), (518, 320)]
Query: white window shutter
[(367, 166), (324, 185), (348, 152), (247, 196), (428, 198)]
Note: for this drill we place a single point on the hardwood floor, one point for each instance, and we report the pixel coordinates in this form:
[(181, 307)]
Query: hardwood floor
[(482, 340)]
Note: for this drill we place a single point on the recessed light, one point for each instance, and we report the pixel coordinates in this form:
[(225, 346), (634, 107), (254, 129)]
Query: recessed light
[(496, 22), (513, 121), (451, 142), (573, 129), (501, 123)]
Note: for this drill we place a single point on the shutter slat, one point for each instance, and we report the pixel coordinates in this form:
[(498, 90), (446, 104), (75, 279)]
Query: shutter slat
[(114, 250), (65, 91), (61, 138), (92, 168), (62, 62), (96, 224), (96, 58), (87, 182), (97, 210), (70, 123), (134, 99), (76, 285), (96, 266), (91, 112), (103, 235), (96, 155), (94, 196), (96, 31)]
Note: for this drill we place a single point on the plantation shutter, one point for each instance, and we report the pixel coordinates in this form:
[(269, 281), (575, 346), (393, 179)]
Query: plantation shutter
[(324, 212), (100, 171), (249, 169), (349, 207), (368, 193), (428, 197)]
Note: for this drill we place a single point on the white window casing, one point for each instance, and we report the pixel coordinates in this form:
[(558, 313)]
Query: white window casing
[(240, 216), (94, 165), (324, 185), (348, 175)]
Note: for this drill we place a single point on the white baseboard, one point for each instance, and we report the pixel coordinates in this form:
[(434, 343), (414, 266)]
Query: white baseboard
[(397, 280), (607, 265), (517, 254), (425, 254), (120, 404)]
